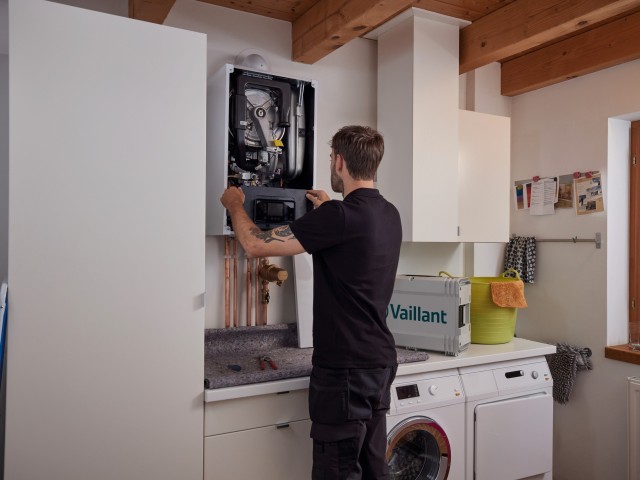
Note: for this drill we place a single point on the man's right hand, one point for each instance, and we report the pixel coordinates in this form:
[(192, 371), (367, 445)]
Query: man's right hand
[(317, 197), (232, 196)]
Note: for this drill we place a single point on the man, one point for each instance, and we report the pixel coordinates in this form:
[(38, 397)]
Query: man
[(355, 244)]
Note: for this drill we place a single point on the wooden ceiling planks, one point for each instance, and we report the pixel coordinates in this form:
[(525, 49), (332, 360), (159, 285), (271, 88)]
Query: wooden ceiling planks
[(154, 11), (330, 24), (527, 24), (288, 10), (538, 42), (605, 46)]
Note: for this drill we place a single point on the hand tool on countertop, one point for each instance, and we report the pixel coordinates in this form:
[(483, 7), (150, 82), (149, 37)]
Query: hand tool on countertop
[(265, 358)]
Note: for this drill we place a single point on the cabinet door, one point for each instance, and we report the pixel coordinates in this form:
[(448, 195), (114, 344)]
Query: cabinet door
[(106, 247), (484, 176), (275, 452)]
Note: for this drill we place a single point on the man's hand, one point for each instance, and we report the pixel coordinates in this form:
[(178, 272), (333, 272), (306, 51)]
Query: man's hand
[(317, 197), (232, 196)]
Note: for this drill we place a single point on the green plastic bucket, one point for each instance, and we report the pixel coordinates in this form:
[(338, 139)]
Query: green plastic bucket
[(491, 324)]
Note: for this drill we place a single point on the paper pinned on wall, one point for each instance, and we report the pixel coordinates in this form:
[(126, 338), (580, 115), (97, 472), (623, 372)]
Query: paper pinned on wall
[(565, 191), (589, 194), (520, 197), (544, 194)]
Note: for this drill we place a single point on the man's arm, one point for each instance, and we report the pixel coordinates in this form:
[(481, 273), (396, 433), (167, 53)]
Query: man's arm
[(278, 242)]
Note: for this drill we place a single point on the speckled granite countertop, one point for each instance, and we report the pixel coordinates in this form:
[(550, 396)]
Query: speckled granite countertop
[(231, 355)]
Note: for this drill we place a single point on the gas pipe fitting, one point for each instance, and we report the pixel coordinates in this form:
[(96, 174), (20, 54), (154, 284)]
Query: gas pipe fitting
[(272, 273)]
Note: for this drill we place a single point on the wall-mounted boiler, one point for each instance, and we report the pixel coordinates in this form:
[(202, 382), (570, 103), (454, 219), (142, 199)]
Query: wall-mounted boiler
[(261, 137)]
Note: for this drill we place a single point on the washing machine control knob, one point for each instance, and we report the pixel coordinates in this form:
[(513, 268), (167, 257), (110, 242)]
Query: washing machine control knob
[(534, 375), (433, 389)]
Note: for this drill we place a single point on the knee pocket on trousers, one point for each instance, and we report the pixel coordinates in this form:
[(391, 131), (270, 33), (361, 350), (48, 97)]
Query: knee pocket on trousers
[(335, 460)]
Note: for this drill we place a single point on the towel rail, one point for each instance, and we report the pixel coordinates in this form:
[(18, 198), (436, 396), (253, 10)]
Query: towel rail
[(597, 240)]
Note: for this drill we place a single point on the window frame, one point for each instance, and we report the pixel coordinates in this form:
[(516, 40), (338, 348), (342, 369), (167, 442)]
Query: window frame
[(623, 352)]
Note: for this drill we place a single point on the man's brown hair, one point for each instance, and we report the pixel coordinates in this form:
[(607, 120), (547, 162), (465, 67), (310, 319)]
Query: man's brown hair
[(362, 149)]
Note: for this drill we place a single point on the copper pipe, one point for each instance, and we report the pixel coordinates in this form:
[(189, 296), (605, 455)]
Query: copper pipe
[(226, 282), (265, 292), (265, 300), (235, 282), (248, 291), (257, 290)]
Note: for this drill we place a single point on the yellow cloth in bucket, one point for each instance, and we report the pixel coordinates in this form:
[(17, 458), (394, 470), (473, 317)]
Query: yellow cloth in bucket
[(490, 323), (509, 294)]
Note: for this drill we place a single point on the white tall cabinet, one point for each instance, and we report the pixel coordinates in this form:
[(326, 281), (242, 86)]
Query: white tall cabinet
[(106, 247), (446, 170)]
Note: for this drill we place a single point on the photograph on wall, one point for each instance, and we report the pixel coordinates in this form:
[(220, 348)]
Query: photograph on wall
[(588, 192), (565, 192)]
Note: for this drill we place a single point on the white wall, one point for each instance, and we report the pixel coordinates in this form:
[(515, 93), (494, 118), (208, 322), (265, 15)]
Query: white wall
[(559, 130), (347, 88)]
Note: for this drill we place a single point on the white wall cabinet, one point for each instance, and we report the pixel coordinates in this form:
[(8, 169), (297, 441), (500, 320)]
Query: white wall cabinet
[(266, 437), (484, 177), (106, 247), (446, 171)]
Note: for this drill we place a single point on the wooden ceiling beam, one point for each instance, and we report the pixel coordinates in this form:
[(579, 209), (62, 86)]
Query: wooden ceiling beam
[(280, 10), (329, 24), (526, 24), (602, 47), (154, 11)]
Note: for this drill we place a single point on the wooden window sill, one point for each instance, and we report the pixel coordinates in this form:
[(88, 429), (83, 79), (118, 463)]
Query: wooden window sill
[(622, 353)]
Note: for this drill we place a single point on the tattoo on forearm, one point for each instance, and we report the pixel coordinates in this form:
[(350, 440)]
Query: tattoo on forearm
[(284, 232), (271, 235)]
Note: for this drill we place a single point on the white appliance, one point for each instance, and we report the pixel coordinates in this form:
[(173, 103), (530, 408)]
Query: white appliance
[(261, 137), (425, 427), (509, 420), (430, 313)]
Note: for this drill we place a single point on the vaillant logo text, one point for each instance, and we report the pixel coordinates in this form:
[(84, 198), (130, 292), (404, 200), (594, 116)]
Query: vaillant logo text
[(416, 313)]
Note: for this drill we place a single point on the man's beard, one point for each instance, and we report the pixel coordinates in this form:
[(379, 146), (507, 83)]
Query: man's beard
[(337, 185)]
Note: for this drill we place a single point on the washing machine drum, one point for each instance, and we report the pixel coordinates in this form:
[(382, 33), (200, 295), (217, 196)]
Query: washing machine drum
[(418, 449)]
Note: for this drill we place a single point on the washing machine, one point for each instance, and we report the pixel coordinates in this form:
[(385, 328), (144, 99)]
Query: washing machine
[(425, 427), (509, 420)]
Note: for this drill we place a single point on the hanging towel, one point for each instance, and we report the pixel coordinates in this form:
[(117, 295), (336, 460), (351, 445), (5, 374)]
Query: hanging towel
[(508, 294), (564, 366), (521, 255)]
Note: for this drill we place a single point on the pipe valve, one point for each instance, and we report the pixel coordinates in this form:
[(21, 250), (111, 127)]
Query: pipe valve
[(272, 273)]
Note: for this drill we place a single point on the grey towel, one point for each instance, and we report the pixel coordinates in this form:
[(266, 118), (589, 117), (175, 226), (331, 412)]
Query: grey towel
[(521, 255), (564, 366)]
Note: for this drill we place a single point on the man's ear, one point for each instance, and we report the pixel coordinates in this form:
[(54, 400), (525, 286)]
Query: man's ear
[(339, 162)]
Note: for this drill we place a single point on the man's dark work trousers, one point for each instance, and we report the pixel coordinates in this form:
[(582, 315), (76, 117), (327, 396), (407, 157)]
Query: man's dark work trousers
[(348, 409)]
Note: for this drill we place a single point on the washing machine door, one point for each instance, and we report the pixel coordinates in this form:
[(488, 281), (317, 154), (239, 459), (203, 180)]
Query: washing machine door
[(418, 449)]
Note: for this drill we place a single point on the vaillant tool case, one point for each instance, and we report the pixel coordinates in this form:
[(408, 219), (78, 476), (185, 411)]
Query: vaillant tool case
[(430, 313)]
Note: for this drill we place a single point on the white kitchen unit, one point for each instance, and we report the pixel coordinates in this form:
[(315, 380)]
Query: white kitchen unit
[(484, 177), (264, 436), (447, 171), (509, 420), (242, 422), (106, 247)]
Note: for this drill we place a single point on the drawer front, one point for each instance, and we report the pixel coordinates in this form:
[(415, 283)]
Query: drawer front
[(238, 414), (267, 453)]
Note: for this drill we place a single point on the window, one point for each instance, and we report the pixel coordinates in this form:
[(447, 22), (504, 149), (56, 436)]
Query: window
[(634, 235), (623, 352)]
